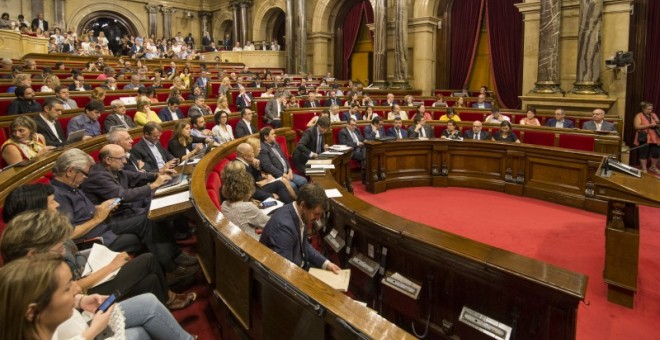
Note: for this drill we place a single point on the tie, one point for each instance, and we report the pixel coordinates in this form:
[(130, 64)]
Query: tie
[(285, 167), (313, 104), (319, 143), (355, 139), (123, 121), (67, 106), (246, 99), (398, 132), (423, 132), (476, 136)]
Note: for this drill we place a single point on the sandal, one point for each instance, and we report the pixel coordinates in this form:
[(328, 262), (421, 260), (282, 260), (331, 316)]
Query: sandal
[(654, 169), (180, 301)]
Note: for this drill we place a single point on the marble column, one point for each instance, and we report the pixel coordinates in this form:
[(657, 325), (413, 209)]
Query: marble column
[(587, 80), (288, 32), (234, 12), (302, 36), (400, 46), (152, 10), (206, 22), (244, 20), (380, 44), (547, 79), (167, 21), (58, 10)]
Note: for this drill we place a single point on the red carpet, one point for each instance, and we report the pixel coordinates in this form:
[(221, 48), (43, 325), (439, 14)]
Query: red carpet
[(567, 237)]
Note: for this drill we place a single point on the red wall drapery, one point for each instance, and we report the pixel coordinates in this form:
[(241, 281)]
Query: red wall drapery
[(466, 18), (352, 29)]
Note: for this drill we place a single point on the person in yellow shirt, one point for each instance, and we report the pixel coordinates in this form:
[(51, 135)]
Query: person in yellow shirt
[(144, 113), (450, 115)]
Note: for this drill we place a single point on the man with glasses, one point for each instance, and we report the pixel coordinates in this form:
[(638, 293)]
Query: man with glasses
[(118, 117), (149, 150), (476, 133), (560, 120), (87, 121)]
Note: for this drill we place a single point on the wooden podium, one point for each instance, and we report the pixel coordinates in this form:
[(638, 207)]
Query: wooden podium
[(624, 194)]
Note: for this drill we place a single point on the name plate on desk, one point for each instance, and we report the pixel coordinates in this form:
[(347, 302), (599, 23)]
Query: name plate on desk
[(485, 324), (365, 264)]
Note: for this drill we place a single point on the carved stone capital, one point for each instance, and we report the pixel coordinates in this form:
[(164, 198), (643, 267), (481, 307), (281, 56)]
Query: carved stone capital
[(167, 10), (152, 8), (206, 14)]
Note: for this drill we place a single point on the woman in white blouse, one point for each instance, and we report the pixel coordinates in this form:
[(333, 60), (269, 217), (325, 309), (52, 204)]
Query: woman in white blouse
[(237, 188), (222, 132)]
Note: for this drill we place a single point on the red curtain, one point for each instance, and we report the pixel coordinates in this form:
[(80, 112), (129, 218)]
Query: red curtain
[(466, 18), (652, 62), (352, 27), (505, 32)]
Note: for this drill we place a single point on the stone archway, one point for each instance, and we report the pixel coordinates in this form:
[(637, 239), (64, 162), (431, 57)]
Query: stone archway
[(223, 23), (264, 18), (133, 23)]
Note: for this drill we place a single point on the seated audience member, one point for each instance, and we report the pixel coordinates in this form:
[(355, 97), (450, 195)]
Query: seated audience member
[(311, 144), (40, 302), (266, 186), (222, 105), (560, 120), (375, 129), (225, 86), (408, 100), (171, 112), (496, 117), (134, 84), (354, 99), (273, 161), (243, 100), (421, 110), (450, 115), (351, 136), (369, 113), (108, 72), (354, 113), (237, 189), (530, 119), (269, 93), (50, 83), (144, 113), (481, 102), (598, 123), (110, 84), (477, 133), (274, 110), (292, 102), (25, 143), (333, 114), (505, 134), (332, 99), (397, 130), (98, 94), (460, 103), (118, 117), (198, 129), (396, 112), (439, 102), (419, 129), (79, 84), (24, 102), (451, 132), (177, 83), (149, 150), (313, 120), (48, 124), (62, 93), (367, 101), (311, 101), (390, 101), (87, 121), (22, 79), (199, 107), (222, 131), (283, 231), (120, 136), (244, 126), (181, 144)]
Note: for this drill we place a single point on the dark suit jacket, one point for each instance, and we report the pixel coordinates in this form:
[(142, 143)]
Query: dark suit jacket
[(605, 126), (142, 152), (370, 134), (35, 23), (486, 105), (483, 135), (307, 103), (329, 102), (346, 139), (44, 129), (568, 124), (242, 129), (132, 187), (206, 41), (87, 87), (241, 104), (196, 111), (113, 120), (282, 235), (346, 116), (413, 134), (270, 164), (306, 145), (392, 132), (165, 115)]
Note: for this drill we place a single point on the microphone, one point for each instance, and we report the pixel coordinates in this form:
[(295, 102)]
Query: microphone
[(617, 158)]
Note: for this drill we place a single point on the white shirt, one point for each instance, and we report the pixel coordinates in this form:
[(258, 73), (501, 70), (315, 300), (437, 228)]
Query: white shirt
[(51, 125)]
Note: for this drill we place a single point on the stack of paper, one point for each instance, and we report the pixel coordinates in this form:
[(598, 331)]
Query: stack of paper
[(337, 281), (99, 257)]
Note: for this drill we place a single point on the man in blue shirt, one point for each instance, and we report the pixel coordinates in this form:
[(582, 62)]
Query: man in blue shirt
[(87, 121)]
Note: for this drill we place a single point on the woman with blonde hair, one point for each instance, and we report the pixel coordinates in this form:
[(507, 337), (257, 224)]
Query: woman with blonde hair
[(144, 113), (50, 83), (237, 188), (222, 105), (225, 86), (98, 93), (177, 83), (25, 143)]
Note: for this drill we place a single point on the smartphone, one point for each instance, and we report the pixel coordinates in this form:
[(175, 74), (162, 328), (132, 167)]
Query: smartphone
[(107, 303), (116, 202), (267, 204)]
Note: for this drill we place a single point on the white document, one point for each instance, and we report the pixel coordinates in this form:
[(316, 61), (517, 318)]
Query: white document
[(331, 193), (184, 183), (270, 209), (322, 166), (99, 257), (166, 201), (340, 147), (338, 281), (332, 153), (194, 161)]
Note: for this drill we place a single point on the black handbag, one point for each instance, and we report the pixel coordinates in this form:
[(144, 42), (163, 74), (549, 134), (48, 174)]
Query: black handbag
[(642, 137)]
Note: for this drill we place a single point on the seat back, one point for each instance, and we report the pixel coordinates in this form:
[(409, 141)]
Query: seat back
[(577, 142)]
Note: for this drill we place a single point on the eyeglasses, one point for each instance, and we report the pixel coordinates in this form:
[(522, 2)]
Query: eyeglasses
[(84, 173), (122, 158)]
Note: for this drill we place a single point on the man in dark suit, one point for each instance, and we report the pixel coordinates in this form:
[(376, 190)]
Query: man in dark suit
[(203, 81), (481, 102), (274, 162), (149, 150), (244, 126), (375, 129), (353, 113), (228, 44), (560, 120), (274, 110), (332, 99), (476, 133), (79, 84), (265, 186), (351, 136), (243, 100), (390, 100), (206, 39), (598, 123), (311, 144), (48, 124), (118, 117), (171, 112), (419, 129), (311, 101), (40, 22), (24, 102), (286, 235), (397, 130)]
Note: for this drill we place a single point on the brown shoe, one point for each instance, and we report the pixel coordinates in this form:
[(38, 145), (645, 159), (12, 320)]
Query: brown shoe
[(180, 301), (180, 274)]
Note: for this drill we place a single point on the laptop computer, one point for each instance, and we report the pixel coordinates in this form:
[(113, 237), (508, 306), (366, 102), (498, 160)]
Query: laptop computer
[(75, 136)]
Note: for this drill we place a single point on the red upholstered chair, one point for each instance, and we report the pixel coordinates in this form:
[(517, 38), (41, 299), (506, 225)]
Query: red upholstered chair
[(43, 180), (281, 140), (131, 112), (538, 138), (64, 121), (471, 116), (95, 155), (102, 120), (213, 185), (231, 156), (184, 109), (81, 100), (437, 130), (335, 133), (4, 104), (221, 164), (165, 138), (576, 142), (299, 122)]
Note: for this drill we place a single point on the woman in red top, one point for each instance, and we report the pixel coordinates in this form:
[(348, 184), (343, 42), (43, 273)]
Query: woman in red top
[(646, 123)]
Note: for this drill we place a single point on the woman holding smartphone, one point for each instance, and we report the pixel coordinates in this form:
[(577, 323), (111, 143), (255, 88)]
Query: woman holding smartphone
[(39, 300)]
